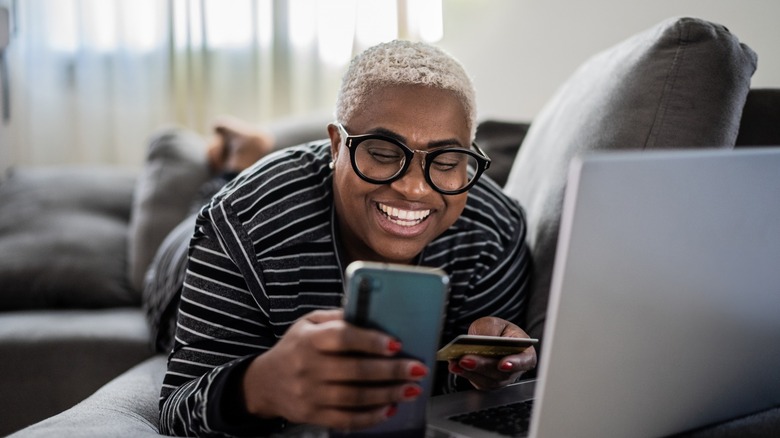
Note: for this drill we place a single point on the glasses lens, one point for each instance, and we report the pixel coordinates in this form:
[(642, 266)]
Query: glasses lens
[(379, 159), (452, 170)]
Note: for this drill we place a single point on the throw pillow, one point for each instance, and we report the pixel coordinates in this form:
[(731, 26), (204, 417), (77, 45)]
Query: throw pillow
[(174, 171), (63, 238), (681, 83)]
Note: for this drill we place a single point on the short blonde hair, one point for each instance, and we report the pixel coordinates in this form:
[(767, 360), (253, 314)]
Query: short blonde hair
[(402, 62)]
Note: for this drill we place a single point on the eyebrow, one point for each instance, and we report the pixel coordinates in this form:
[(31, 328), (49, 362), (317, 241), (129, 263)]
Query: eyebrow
[(431, 145)]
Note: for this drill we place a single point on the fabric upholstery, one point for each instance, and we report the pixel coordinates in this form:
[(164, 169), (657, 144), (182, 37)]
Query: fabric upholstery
[(63, 238), (125, 407), (52, 359), (175, 169), (681, 83)]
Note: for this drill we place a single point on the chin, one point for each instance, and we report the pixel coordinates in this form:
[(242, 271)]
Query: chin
[(402, 257)]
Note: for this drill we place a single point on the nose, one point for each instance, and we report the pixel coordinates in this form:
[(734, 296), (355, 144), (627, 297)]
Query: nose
[(413, 184)]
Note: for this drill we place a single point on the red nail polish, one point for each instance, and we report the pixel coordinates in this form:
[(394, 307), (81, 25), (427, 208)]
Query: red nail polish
[(412, 391), (418, 371), (391, 410), (468, 364), (506, 366), (455, 369), (394, 346)]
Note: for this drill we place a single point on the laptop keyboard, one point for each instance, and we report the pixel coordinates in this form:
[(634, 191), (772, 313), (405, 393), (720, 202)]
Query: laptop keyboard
[(510, 420)]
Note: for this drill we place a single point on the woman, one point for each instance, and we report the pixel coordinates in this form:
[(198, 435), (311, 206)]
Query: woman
[(260, 339)]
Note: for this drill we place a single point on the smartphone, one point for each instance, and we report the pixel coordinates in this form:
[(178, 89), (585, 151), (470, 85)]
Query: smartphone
[(408, 303), (491, 346)]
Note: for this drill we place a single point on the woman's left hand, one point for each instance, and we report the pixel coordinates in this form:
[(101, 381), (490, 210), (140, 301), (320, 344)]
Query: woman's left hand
[(489, 372)]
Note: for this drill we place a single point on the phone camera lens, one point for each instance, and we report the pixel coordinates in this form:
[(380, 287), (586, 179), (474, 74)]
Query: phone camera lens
[(365, 285)]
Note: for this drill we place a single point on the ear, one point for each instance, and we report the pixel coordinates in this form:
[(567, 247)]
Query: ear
[(335, 140)]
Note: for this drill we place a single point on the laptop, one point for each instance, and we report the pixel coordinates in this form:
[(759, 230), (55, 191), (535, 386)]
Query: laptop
[(664, 310)]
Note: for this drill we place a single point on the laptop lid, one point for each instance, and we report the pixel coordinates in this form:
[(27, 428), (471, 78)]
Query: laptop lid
[(664, 312)]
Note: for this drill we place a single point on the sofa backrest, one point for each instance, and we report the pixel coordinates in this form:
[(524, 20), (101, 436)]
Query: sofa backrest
[(682, 83)]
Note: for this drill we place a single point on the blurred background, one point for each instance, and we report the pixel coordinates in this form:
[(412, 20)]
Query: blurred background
[(87, 81)]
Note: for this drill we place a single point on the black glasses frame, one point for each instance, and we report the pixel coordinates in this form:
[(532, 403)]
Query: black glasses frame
[(352, 141)]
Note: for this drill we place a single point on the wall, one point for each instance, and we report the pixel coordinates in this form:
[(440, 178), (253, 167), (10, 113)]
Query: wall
[(520, 51)]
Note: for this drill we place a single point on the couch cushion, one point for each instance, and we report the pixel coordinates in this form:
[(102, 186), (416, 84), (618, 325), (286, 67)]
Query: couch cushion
[(174, 171), (63, 238), (681, 83)]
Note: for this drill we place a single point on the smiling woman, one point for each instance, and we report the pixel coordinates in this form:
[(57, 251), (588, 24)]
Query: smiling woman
[(100, 74), (261, 340)]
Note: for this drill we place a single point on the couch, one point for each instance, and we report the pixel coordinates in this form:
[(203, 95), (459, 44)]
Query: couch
[(80, 341)]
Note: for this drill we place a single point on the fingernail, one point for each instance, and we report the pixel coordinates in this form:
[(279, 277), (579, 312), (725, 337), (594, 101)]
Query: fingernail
[(506, 366), (455, 369), (418, 371), (412, 391), (394, 346), (468, 364), (391, 411)]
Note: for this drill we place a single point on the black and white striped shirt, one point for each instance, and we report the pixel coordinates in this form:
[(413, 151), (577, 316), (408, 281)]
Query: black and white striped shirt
[(263, 254)]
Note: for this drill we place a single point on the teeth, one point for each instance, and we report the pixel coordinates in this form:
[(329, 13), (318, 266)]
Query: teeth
[(406, 218)]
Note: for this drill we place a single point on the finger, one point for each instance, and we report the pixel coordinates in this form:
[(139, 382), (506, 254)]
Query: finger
[(336, 336), (488, 326), (488, 368), (364, 397), (522, 362), (320, 316), (493, 326), (369, 369), (480, 381), (490, 373), (351, 420)]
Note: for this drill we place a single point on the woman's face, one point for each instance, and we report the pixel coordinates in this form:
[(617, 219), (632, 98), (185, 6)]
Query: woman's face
[(394, 222)]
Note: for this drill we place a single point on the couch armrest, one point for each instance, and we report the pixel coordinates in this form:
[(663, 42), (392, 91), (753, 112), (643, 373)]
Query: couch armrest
[(126, 406)]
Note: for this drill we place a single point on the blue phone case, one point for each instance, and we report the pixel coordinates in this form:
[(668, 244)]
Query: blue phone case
[(407, 302)]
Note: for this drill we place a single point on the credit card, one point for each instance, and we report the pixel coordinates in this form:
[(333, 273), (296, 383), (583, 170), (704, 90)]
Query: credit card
[(491, 346)]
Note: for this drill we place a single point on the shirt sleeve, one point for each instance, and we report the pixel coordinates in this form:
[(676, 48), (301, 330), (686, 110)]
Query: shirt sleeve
[(220, 328)]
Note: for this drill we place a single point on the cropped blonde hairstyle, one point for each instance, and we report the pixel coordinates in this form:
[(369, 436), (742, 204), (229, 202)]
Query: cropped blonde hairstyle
[(404, 63)]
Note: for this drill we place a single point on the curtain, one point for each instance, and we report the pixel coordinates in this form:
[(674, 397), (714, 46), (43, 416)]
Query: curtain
[(90, 80)]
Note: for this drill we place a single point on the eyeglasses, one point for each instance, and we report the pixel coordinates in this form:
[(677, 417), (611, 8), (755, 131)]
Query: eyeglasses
[(380, 159)]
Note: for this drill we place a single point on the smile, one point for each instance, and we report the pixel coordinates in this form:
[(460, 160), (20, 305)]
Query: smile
[(404, 218)]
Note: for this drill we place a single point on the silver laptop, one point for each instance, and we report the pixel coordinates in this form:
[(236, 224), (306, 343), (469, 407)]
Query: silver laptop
[(664, 313)]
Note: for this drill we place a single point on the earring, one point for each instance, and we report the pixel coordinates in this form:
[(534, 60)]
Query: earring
[(332, 165)]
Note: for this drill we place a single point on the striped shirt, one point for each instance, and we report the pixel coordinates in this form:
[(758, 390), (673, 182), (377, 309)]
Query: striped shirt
[(264, 253)]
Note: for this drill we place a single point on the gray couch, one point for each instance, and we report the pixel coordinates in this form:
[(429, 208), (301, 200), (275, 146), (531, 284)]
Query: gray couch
[(685, 83)]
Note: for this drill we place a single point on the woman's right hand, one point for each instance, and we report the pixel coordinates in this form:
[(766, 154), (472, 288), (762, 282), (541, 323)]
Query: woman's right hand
[(317, 374)]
